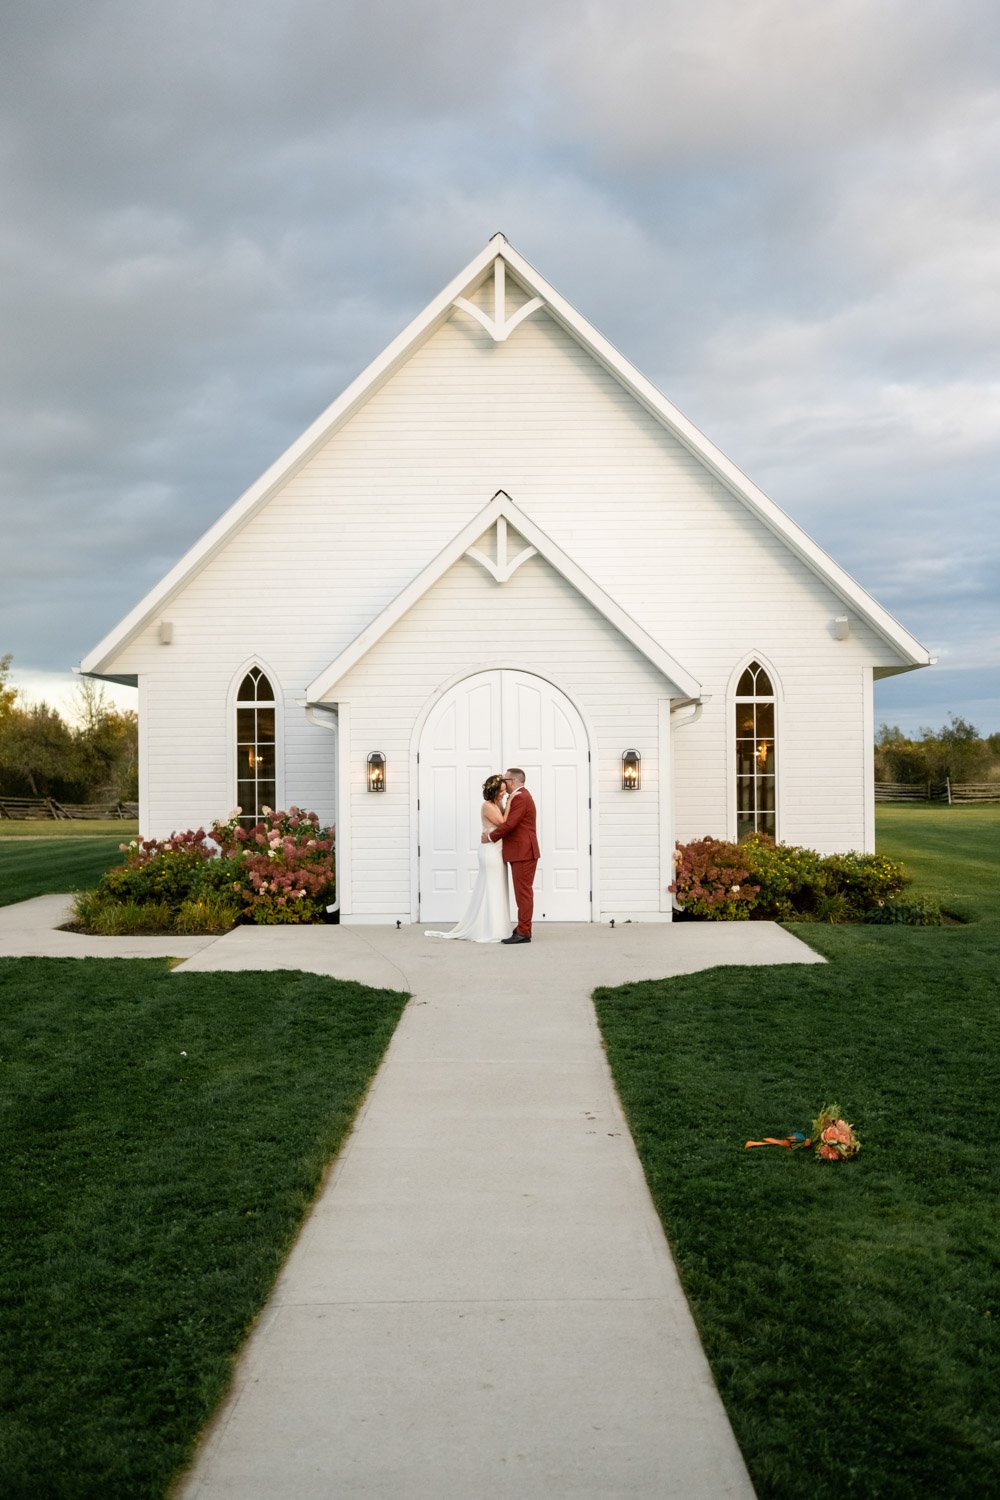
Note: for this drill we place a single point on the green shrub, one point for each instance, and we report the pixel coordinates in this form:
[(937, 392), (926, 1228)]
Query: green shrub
[(210, 912), (791, 881), (864, 879), (831, 908), (157, 871), (105, 916), (720, 881), (219, 876), (284, 911), (911, 911)]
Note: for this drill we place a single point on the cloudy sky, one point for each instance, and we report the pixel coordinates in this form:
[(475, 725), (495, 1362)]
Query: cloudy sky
[(785, 212)]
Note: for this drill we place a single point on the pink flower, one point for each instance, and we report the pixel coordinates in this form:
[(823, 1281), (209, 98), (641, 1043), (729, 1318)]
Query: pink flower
[(829, 1153)]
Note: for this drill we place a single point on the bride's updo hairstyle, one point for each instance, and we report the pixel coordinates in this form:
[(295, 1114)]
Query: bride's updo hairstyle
[(491, 786)]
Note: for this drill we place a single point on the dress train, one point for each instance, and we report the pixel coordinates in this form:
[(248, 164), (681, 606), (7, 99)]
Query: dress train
[(486, 919)]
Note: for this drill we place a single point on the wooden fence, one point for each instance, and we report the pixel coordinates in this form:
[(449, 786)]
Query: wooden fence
[(976, 791), (45, 808), (937, 791)]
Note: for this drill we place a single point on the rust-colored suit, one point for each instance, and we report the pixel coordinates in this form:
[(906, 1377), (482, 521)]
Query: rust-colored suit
[(521, 852)]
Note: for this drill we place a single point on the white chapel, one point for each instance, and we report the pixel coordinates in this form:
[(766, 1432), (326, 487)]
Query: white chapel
[(501, 545)]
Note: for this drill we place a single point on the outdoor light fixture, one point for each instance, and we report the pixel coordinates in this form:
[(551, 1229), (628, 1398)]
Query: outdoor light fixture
[(376, 771), (631, 772)]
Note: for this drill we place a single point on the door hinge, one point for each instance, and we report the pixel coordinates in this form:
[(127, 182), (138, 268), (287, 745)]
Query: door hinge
[(418, 851), (590, 848), (590, 803)]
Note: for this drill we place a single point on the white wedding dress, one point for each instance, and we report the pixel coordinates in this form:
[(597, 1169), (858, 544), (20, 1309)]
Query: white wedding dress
[(487, 917)]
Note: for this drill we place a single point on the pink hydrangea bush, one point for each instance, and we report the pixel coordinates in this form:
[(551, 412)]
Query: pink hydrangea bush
[(279, 870), (711, 881), (284, 865)]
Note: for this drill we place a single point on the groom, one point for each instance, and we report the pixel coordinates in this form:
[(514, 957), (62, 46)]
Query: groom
[(520, 849)]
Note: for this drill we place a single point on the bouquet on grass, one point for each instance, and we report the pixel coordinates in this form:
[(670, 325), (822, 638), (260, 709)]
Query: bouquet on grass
[(833, 1138), (831, 1135)]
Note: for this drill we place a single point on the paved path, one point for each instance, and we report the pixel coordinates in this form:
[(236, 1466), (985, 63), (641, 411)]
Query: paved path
[(482, 1303), (32, 929)]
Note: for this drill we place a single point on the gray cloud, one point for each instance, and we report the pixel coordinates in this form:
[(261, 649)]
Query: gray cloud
[(216, 215)]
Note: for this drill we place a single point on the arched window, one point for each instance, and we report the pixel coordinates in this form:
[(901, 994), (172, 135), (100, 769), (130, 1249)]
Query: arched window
[(755, 754), (256, 741)]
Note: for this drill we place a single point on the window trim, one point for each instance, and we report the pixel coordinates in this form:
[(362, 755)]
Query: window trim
[(767, 665), (232, 700)]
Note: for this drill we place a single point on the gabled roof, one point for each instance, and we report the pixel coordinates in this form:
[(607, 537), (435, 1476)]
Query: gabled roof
[(502, 509), (497, 256)]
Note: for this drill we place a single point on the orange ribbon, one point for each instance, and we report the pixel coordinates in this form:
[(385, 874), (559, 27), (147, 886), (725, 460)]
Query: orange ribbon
[(789, 1142)]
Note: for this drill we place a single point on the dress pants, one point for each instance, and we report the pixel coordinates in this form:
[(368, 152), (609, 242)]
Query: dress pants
[(522, 872)]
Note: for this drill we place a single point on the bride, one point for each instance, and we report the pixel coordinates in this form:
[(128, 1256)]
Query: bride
[(487, 916)]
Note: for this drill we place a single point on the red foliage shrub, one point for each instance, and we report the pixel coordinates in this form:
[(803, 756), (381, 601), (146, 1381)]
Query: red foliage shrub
[(711, 880)]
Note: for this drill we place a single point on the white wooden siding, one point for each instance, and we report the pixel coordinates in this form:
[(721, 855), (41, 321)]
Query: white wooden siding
[(537, 417)]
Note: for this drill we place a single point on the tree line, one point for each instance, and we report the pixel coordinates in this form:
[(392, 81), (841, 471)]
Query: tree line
[(94, 759), (957, 752)]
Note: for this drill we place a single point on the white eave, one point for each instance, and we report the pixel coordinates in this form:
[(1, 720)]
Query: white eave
[(502, 507), (497, 255)]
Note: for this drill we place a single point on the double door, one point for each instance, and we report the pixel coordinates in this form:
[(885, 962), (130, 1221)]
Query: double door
[(485, 724)]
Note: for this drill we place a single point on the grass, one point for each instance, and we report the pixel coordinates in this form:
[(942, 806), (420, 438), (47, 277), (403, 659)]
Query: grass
[(162, 1137), (35, 867), (71, 828), (849, 1312)]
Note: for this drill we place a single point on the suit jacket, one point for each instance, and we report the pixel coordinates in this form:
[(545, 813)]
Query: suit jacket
[(520, 841)]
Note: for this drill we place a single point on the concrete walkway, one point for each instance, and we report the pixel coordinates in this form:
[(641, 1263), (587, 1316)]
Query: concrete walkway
[(482, 1303), (32, 929)]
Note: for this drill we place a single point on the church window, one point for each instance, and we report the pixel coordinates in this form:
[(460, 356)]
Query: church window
[(256, 746), (755, 754)]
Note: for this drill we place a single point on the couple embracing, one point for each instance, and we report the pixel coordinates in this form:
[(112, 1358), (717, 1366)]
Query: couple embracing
[(508, 837)]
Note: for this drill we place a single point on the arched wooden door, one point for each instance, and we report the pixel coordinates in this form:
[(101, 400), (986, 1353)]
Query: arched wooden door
[(486, 723)]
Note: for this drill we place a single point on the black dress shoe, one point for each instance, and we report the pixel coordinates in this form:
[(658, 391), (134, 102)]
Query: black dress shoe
[(516, 937)]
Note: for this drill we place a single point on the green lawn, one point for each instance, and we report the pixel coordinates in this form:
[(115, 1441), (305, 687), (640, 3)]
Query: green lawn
[(849, 1312), (162, 1136), (34, 867), (68, 828)]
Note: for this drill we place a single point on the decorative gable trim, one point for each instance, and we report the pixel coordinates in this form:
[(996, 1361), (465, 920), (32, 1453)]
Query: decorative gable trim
[(497, 257), (499, 327), (505, 566), (502, 509)]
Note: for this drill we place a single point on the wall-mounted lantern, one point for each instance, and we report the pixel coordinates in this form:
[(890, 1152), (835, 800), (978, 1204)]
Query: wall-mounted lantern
[(631, 770), (376, 771)]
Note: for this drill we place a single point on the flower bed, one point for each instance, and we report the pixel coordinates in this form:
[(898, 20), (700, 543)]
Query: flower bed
[(279, 870), (716, 880)]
